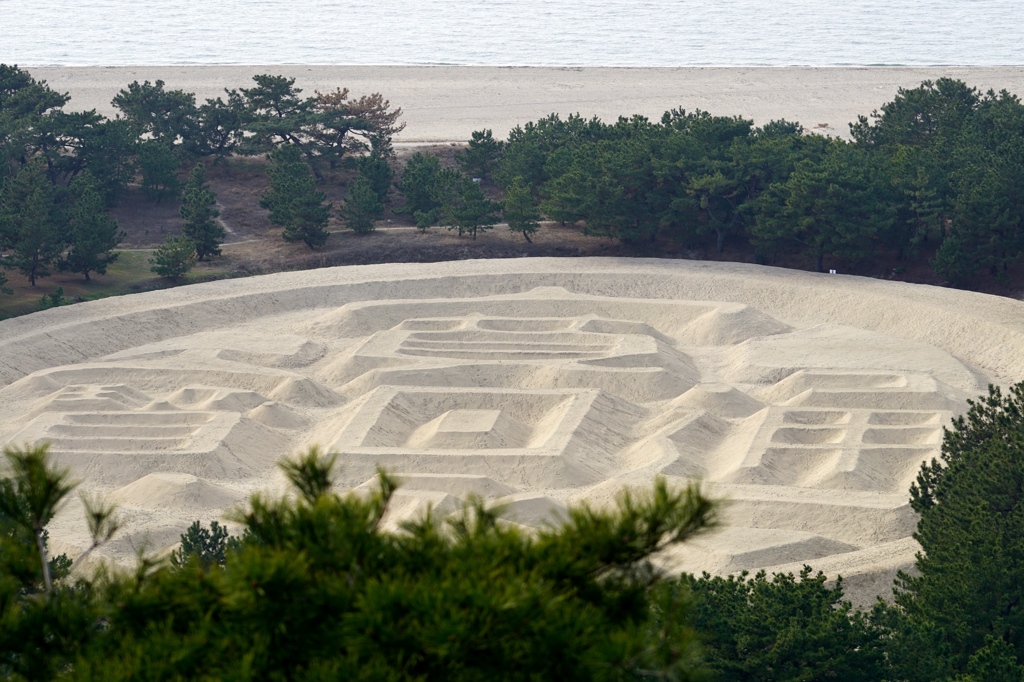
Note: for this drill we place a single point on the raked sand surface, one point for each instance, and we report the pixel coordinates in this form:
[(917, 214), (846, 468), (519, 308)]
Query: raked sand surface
[(447, 103), (806, 401)]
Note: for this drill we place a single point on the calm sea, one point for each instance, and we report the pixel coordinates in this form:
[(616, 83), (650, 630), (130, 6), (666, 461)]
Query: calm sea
[(513, 32)]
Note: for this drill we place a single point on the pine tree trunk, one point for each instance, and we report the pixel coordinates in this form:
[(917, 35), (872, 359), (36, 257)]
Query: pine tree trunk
[(47, 580)]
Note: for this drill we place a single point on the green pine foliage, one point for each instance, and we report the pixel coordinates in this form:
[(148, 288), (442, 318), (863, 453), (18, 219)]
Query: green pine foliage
[(828, 208), (276, 114), (174, 258), (462, 204), (362, 207), (29, 499), (198, 215), (44, 619), (782, 629), (293, 200), (159, 168), (995, 662), (962, 610), (30, 223), (92, 234), (219, 128), (520, 210), (167, 116), (939, 170), (108, 150), (208, 547), (377, 170), (54, 299), (419, 186), (481, 156), (327, 128), (475, 212), (308, 217), (934, 178), (316, 589), (27, 109)]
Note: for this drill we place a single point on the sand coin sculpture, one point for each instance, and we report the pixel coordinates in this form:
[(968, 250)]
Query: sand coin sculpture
[(807, 402)]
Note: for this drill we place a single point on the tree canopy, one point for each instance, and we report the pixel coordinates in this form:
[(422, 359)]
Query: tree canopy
[(92, 233), (964, 606), (316, 589), (362, 207), (933, 179), (174, 258), (198, 215), (316, 586), (293, 200)]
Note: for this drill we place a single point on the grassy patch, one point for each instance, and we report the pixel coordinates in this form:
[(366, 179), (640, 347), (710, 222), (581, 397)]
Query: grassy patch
[(127, 275)]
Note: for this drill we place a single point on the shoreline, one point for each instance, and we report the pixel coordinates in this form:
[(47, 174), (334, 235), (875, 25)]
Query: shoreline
[(444, 104)]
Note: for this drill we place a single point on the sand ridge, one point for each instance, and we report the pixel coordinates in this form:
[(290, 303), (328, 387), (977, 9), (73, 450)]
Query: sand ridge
[(807, 401)]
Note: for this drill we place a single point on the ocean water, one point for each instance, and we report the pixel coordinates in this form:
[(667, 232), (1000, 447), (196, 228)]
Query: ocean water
[(513, 32)]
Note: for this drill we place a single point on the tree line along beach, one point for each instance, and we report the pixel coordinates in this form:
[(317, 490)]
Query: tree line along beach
[(441, 108)]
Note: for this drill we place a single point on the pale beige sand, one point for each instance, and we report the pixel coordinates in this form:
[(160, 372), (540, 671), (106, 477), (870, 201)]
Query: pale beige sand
[(447, 103), (807, 401)]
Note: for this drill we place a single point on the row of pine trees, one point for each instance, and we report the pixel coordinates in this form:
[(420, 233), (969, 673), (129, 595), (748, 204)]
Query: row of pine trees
[(61, 172), (935, 178)]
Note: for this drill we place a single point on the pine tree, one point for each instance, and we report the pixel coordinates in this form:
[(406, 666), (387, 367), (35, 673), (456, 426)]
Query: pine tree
[(832, 207), (474, 212), (33, 495), (521, 210), (378, 172), (108, 150), (93, 234), (462, 205), (308, 216), (293, 201), (207, 546), (198, 215), (29, 222), (43, 634), (319, 590), (159, 168), (419, 181), (54, 299), (481, 156), (362, 206), (173, 258), (962, 611), (782, 628), (286, 167)]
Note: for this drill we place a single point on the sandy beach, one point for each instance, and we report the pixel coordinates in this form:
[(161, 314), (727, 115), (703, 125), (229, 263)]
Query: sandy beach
[(447, 103)]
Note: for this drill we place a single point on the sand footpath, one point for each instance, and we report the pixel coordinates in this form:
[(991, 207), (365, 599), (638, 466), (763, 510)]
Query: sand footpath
[(447, 103)]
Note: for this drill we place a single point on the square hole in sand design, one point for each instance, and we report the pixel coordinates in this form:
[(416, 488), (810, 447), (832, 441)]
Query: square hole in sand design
[(518, 437), (451, 419), (464, 429)]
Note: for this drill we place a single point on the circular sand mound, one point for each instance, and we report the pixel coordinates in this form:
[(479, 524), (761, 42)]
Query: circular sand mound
[(807, 401)]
